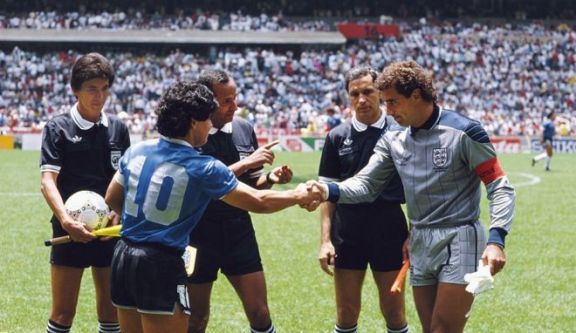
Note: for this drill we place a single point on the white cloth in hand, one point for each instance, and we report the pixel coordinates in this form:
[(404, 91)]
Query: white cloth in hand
[(479, 281)]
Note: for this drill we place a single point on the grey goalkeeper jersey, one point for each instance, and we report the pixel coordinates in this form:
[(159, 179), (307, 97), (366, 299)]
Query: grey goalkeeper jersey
[(441, 167)]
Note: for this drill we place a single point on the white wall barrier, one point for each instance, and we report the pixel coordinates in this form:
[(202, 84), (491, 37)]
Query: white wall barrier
[(503, 144), (33, 141), (560, 145)]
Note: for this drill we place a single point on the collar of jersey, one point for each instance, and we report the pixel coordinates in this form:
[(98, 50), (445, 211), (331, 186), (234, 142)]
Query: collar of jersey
[(361, 127), (176, 141), (227, 128), (431, 122), (84, 124)]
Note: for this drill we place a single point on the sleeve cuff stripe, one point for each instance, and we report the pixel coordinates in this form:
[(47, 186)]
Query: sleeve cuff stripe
[(327, 179), (50, 168)]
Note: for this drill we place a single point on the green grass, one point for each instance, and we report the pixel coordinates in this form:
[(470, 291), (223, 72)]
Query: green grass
[(532, 294)]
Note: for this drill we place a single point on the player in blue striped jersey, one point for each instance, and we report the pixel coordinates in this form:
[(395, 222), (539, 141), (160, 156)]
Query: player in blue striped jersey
[(441, 157), (548, 133), (162, 189)]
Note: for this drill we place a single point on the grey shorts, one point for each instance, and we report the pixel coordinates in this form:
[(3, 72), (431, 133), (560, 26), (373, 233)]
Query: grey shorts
[(445, 254)]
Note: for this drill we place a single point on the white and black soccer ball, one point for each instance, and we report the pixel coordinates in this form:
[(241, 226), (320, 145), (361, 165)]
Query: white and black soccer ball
[(89, 208)]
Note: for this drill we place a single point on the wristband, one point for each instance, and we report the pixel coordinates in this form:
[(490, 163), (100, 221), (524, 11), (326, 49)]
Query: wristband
[(333, 192), (497, 236), (268, 179)]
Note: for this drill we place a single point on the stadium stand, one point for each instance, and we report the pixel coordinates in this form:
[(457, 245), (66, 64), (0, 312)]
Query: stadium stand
[(508, 75)]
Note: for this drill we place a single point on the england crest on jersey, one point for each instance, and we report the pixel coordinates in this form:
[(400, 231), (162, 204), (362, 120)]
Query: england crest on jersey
[(440, 158), (115, 158)]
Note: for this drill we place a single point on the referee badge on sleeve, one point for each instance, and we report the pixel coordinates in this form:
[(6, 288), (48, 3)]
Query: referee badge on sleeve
[(115, 158)]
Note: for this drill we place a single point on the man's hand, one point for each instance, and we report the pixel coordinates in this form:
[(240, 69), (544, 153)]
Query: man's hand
[(77, 231), (326, 257), (262, 155), (113, 219), (406, 248), (322, 188), (281, 175), (494, 257), (309, 196)]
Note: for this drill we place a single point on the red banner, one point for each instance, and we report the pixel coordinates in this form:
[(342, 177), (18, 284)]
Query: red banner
[(368, 30), (505, 144)]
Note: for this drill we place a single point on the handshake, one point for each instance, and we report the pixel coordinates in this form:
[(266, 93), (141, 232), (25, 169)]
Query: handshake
[(311, 194)]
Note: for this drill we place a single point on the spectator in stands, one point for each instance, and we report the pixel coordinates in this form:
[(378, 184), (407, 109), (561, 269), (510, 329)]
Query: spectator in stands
[(332, 119), (506, 93)]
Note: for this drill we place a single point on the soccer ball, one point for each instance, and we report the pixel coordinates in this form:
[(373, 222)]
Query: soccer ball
[(89, 208)]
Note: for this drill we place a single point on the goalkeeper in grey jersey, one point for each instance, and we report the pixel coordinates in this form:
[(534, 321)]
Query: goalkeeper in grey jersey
[(441, 157)]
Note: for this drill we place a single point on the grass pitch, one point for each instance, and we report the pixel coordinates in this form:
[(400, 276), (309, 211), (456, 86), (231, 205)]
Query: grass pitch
[(532, 294)]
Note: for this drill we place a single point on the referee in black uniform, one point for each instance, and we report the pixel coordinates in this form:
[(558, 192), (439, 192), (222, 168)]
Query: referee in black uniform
[(80, 151), (353, 236), (224, 237)]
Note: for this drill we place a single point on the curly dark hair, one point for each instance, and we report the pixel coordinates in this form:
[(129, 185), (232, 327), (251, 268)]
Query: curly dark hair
[(91, 66), (359, 72), (405, 77), (183, 102)]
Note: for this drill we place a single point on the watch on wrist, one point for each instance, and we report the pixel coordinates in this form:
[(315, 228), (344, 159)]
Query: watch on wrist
[(268, 179)]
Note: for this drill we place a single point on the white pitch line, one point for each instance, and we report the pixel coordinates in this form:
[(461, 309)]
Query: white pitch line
[(532, 180), (19, 194)]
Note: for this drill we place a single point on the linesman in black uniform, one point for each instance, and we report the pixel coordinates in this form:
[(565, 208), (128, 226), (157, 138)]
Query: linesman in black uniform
[(353, 236), (80, 151), (224, 237)]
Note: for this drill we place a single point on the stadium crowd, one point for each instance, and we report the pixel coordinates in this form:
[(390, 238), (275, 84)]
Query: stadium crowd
[(507, 77), (137, 20)]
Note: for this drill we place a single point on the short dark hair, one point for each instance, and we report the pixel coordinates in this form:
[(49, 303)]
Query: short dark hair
[(183, 102), (359, 72), (210, 77), (91, 66), (405, 77)]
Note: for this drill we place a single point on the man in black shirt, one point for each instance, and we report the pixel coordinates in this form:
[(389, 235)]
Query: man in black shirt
[(353, 236), (80, 151), (225, 238)]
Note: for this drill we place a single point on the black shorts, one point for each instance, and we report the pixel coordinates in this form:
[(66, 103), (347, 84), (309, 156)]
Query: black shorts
[(226, 244), (148, 277), (96, 253), (370, 237)]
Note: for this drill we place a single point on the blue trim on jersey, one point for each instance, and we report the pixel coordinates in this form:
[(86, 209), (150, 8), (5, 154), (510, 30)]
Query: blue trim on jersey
[(333, 192), (472, 128), (497, 236)]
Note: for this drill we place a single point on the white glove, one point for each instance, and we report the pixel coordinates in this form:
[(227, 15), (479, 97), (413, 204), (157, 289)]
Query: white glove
[(479, 281)]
